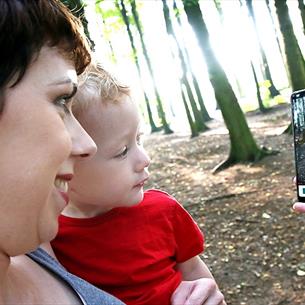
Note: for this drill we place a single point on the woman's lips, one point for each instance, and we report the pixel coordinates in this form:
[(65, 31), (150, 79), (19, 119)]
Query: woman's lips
[(64, 196), (65, 177), (61, 184)]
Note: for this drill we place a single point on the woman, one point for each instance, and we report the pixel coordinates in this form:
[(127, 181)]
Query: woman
[(42, 50)]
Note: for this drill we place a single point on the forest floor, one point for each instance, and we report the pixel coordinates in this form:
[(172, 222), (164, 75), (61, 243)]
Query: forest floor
[(255, 243)]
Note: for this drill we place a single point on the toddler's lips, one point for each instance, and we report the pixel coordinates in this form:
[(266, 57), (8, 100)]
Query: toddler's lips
[(141, 183)]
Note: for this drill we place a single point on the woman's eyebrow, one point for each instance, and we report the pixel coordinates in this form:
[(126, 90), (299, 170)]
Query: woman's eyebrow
[(63, 81), (74, 90)]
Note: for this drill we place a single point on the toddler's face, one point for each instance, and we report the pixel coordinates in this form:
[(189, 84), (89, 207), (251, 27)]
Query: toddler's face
[(115, 176)]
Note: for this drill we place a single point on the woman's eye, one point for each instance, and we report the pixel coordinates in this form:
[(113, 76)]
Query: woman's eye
[(123, 153), (63, 102)]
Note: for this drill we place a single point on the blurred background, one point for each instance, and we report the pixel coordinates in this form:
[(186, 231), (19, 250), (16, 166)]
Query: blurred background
[(213, 79)]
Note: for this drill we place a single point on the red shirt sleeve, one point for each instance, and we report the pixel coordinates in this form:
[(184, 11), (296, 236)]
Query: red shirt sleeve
[(189, 239)]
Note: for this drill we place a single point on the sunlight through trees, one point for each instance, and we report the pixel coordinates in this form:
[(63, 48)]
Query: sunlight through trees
[(190, 61)]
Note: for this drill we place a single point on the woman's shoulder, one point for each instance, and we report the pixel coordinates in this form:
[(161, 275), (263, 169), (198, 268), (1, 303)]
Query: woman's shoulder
[(27, 275), (88, 293)]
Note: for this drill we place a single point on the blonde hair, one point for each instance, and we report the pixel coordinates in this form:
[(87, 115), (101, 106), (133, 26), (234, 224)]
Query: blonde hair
[(98, 85)]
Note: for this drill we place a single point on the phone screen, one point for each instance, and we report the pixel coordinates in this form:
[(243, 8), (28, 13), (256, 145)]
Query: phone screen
[(298, 122)]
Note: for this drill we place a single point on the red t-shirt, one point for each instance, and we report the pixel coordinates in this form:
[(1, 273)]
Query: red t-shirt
[(131, 252)]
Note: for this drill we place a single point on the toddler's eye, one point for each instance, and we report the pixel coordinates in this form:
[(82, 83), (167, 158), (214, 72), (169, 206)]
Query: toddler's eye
[(123, 153)]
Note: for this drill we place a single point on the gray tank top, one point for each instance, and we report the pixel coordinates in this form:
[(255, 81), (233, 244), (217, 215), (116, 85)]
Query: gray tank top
[(89, 294)]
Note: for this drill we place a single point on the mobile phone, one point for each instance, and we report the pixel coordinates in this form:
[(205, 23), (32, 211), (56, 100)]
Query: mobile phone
[(298, 126)]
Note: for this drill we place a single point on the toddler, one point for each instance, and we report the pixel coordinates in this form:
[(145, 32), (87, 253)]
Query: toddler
[(142, 247)]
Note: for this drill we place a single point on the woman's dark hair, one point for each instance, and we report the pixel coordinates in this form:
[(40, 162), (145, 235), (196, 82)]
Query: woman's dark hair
[(26, 26)]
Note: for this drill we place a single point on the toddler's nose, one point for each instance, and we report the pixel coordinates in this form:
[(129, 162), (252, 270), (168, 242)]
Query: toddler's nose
[(143, 160)]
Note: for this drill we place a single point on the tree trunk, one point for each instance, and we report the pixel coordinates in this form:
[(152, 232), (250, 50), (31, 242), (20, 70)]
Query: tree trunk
[(294, 57), (203, 110), (277, 37), (165, 125), (205, 115), (221, 18), (219, 10), (295, 61), (197, 115), (194, 131), (272, 89), (258, 93), (302, 11), (243, 146), (123, 12), (200, 126)]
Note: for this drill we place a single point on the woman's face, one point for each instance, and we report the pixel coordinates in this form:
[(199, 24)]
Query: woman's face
[(40, 140)]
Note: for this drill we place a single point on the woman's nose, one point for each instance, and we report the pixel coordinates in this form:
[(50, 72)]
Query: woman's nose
[(82, 144)]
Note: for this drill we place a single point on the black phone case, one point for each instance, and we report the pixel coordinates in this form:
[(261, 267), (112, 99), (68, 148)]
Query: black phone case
[(298, 126)]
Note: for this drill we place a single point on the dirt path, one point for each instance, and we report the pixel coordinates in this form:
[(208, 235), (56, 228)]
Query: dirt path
[(254, 241)]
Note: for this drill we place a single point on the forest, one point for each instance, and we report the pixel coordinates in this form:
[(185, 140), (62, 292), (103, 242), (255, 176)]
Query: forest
[(213, 80)]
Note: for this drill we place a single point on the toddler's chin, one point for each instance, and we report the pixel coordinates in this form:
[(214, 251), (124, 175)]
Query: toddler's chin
[(138, 200)]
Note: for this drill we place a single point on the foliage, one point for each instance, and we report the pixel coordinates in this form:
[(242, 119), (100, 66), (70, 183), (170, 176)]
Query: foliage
[(114, 28), (111, 14)]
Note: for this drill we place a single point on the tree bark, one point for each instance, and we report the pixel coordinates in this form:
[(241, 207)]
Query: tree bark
[(203, 110), (258, 93), (124, 15), (277, 36), (294, 57), (302, 11), (272, 89), (135, 15), (243, 146), (199, 123), (194, 131)]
